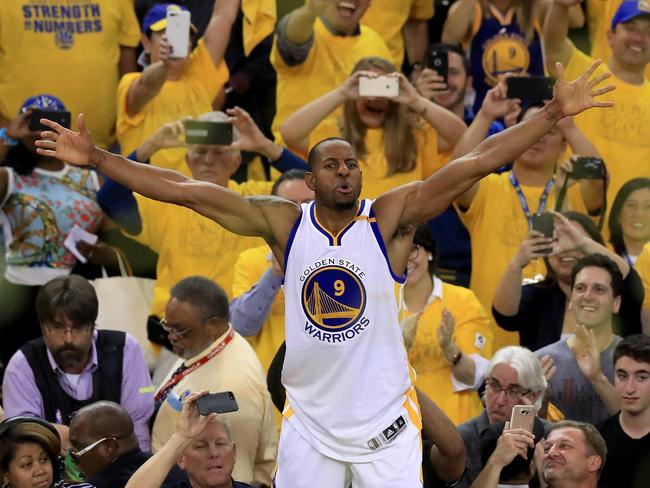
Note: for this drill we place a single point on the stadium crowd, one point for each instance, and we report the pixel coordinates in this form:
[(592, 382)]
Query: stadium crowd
[(325, 243)]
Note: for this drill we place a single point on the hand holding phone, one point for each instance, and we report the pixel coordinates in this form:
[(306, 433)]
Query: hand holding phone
[(223, 402)]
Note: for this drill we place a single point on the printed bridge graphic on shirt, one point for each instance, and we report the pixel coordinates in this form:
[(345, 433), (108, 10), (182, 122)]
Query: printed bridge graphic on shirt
[(333, 298), (322, 306)]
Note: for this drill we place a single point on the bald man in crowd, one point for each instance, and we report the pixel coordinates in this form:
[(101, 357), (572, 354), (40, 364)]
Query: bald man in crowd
[(106, 448)]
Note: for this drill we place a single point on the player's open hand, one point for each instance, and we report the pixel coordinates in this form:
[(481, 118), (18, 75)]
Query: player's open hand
[(579, 95), (65, 144)]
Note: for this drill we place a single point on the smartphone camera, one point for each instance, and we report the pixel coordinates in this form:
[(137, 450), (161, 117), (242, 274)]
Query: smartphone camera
[(588, 168), (381, 86)]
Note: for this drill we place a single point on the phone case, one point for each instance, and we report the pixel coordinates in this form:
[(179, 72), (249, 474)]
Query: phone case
[(523, 417), (207, 132), (543, 222), (535, 88), (178, 32), (223, 402), (439, 61), (61, 117), (382, 86)]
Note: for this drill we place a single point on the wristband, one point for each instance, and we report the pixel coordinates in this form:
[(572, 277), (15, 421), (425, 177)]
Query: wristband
[(6, 140)]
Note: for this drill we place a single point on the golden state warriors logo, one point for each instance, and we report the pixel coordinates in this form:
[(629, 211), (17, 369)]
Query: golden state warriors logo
[(505, 54), (334, 299)]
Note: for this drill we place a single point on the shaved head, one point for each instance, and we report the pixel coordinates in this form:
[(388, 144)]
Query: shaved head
[(103, 418), (314, 152)]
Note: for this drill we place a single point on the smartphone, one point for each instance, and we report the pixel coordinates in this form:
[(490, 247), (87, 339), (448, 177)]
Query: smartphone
[(588, 168), (438, 61), (60, 116), (206, 132), (523, 417), (217, 403), (382, 86), (531, 88), (543, 222), (178, 32)]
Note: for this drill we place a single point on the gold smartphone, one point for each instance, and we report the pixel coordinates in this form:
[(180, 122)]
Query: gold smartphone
[(523, 417)]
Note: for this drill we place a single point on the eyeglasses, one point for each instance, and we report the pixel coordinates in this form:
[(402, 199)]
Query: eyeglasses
[(172, 330), (76, 455), (74, 330), (181, 333), (513, 391)]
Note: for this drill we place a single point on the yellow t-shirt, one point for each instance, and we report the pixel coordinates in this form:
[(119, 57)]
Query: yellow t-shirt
[(235, 369), (472, 335), (388, 17), (599, 21), (619, 133), (249, 268), (328, 64), (497, 226), (374, 165), (260, 16), (191, 96), (642, 266), (69, 49), (189, 244)]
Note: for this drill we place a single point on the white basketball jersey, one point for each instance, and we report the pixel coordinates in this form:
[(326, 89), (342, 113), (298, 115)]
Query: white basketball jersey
[(349, 389)]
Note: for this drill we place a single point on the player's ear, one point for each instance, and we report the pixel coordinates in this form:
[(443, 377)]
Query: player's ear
[(309, 180)]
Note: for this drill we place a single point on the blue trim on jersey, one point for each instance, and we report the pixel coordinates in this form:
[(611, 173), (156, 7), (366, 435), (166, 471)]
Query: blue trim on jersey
[(339, 236), (380, 240), (334, 240), (322, 230), (292, 235)]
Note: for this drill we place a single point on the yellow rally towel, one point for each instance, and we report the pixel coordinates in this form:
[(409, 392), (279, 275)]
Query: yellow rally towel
[(259, 22)]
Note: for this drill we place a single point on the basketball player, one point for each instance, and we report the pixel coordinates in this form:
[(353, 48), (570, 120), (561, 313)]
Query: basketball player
[(352, 415)]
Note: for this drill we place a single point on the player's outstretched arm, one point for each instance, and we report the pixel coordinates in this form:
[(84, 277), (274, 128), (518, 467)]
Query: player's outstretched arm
[(244, 216), (418, 202)]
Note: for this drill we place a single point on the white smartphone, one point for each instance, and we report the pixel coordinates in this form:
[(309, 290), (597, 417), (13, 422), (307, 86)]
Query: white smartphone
[(381, 86), (523, 417), (178, 32)]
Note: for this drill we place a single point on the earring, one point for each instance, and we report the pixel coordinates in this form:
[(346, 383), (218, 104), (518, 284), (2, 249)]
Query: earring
[(430, 257)]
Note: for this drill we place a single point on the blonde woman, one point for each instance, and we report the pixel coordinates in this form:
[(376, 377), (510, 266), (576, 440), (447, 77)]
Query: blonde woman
[(396, 139)]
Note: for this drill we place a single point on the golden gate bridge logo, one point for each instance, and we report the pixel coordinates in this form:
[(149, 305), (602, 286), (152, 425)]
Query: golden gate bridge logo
[(333, 298)]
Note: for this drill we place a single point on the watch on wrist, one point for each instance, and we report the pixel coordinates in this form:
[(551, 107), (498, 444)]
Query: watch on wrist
[(455, 359), (6, 140)]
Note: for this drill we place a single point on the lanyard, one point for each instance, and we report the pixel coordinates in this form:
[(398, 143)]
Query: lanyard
[(182, 373), (522, 198)]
